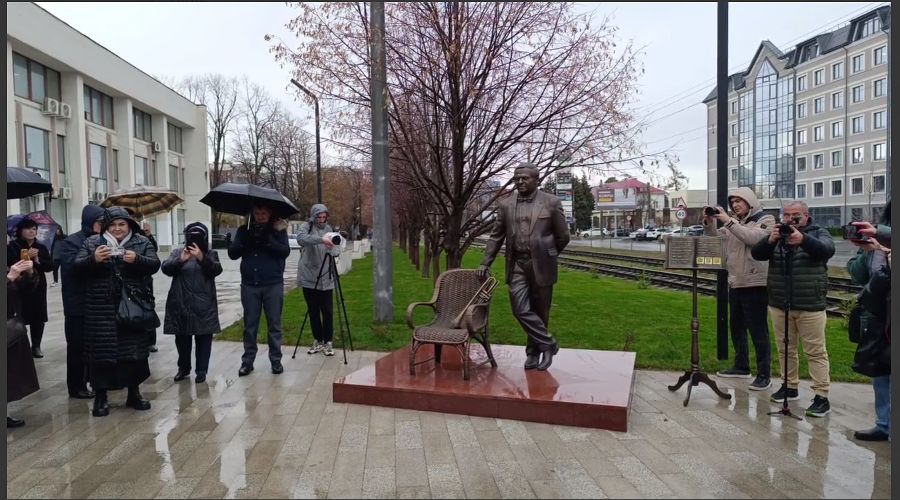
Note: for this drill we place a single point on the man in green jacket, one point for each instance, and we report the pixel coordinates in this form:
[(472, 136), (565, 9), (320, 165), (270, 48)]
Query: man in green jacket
[(803, 255)]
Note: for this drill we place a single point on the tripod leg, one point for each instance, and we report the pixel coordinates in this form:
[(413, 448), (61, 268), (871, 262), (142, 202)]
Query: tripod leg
[(691, 384), (340, 290), (702, 377), (302, 325)]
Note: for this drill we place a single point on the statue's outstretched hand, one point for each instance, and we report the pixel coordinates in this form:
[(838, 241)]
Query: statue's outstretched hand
[(483, 272)]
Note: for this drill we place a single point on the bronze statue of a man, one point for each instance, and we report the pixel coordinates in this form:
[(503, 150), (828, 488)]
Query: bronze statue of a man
[(535, 230)]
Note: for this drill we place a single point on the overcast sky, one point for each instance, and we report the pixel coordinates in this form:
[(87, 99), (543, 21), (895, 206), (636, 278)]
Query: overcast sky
[(678, 42)]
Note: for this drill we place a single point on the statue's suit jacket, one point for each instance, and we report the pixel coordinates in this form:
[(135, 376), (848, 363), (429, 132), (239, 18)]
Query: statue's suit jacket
[(548, 237)]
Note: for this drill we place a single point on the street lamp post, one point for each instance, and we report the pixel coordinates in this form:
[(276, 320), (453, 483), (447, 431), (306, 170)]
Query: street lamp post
[(318, 144)]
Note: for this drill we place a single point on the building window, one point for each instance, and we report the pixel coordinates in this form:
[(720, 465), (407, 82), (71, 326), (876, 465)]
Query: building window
[(878, 152), (878, 120), (733, 107), (818, 189), (859, 93), (818, 161), (37, 151), (837, 158), (173, 178), (143, 125), (837, 187), (801, 83), (819, 105), (856, 185), (869, 27), (859, 63), (877, 183), (858, 155), (801, 136), (115, 169), (837, 100), (98, 107), (61, 157), (801, 164), (734, 130), (819, 77), (734, 151), (733, 172), (857, 123), (879, 56), (142, 171), (818, 133), (33, 80), (801, 191), (837, 71), (98, 173), (175, 139), (878, 88), (801, 110), (837, 129)]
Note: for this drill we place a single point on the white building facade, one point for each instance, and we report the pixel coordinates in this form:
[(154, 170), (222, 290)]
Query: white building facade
[(92, 123), (813, 123)]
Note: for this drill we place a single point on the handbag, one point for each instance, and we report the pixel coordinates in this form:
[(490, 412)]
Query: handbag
[(854, 323), (873, 354), (136, 309)]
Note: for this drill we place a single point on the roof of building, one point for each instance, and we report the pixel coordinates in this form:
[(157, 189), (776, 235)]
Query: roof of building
[(630, 183), (827, 42)]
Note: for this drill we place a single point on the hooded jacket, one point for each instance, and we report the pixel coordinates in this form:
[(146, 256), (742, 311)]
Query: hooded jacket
[(73, 283), (191, 306), (313, 251), (104, 340), (740, 236)]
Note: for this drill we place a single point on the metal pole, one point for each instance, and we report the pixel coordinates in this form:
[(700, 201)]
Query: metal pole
[(722, 170), (318, 142), (384, 266)]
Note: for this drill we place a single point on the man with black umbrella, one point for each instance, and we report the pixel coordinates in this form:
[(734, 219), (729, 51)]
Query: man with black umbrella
[(263, 249)]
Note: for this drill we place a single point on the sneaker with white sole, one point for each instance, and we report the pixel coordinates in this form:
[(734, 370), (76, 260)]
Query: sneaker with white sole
[(734, 373), (792, 394), (329, 350), (760, 383), (315, 347), (819, 407)]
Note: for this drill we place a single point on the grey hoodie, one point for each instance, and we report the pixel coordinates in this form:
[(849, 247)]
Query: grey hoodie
[(313, 252), (740, 236)]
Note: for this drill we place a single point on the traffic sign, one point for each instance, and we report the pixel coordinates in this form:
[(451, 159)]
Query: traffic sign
[(680, 214)]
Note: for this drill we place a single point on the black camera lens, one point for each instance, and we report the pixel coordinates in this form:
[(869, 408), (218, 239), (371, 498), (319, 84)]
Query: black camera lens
[(710, 211)]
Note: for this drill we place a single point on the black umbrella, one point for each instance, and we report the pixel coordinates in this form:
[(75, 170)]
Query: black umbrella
[(239, 199), (22, 183)]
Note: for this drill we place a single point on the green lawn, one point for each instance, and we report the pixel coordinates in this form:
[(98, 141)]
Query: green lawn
[(589, 312)]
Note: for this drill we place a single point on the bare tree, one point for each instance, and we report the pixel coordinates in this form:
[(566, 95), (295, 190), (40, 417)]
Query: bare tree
[(251, 149), (475, 88)]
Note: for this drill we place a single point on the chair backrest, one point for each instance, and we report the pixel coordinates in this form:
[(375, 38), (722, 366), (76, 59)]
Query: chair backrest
[(455, 288)]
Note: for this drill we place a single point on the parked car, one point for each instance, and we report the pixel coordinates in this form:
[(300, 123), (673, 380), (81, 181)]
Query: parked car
[(695, 230), (619, 233), (593, 233)]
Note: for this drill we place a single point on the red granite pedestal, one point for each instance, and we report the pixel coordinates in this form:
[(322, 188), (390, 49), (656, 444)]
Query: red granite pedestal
[(582, 388)]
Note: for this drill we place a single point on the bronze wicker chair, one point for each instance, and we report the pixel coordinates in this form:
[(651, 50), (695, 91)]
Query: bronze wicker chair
[(461, 304)]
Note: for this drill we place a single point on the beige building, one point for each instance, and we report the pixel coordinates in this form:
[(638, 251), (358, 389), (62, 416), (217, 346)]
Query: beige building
[(813, 123), (92, 123)]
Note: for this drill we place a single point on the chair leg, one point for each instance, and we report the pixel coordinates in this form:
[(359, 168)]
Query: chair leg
[(464, 353), (413, 347)]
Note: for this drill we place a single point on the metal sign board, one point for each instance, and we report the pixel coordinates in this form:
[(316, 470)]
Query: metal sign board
[(695, 252)]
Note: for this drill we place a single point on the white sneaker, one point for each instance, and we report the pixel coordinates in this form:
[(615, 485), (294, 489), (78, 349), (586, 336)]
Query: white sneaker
[(329, 351), (315, 347)]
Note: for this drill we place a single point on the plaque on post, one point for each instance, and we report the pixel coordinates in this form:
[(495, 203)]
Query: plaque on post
[(695, 253)]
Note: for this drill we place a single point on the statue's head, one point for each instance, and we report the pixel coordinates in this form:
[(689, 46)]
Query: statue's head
[(526, 178)]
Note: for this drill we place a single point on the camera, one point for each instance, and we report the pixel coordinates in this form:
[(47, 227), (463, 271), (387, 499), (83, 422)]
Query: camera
[(851, 232), (117, 252), (194, 239), (785, 228), (710, 211), (338, 241)]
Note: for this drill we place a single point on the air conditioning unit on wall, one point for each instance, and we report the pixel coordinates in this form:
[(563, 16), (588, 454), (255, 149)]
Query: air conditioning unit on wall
[(98, 196), (65, 111), (63, 193), (50, 106), (157, 147)]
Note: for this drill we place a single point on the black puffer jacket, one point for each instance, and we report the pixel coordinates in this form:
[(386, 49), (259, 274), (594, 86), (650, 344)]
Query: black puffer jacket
[(104, 341), (34, 301), (809, 267), (191, 307), (73, 283)]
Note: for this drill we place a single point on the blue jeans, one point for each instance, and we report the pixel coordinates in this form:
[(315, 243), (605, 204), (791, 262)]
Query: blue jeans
[(255, 300), (882, 386)]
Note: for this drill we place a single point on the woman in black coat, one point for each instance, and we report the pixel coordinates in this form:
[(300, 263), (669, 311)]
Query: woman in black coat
[(116, 355), (191, 307), (21, 377), (34, 300)]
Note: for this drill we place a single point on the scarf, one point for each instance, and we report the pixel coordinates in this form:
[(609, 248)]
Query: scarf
[(113, 243)]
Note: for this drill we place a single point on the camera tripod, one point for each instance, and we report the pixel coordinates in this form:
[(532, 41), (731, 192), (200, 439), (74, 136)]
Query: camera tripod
[(787, 256), (338, 298)]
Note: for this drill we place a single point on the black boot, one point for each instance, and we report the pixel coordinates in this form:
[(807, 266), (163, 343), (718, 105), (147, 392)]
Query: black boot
[(36, 337), (135, 400), (101, 405)]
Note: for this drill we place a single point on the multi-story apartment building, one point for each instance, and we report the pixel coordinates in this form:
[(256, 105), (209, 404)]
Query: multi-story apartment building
[(812, 124), (92, 123)]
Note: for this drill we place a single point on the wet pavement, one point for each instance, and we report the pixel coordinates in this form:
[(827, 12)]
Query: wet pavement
[(280, 436)]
